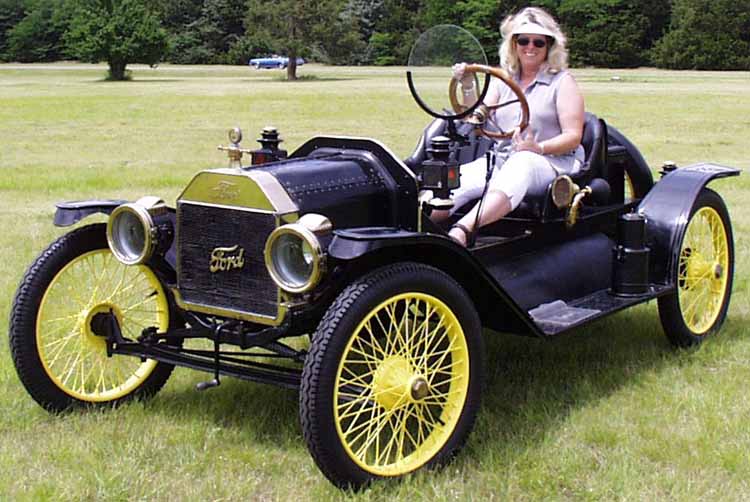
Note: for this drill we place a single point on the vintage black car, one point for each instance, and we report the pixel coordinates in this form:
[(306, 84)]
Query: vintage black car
[(333, 242)]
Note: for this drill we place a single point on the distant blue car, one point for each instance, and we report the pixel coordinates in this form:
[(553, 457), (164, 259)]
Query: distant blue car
[(273, 62)]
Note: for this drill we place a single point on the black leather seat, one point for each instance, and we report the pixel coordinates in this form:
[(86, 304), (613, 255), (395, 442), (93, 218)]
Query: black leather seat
[(594, 143)]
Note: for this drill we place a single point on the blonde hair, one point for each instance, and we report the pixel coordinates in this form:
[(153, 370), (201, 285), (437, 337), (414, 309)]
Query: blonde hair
[(557, 54)]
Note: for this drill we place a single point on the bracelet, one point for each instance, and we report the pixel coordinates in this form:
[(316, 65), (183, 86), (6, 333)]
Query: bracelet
[(467, 90), (541, 146)]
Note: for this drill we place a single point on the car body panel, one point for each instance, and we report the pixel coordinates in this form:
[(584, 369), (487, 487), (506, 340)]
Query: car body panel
[(273, 62)]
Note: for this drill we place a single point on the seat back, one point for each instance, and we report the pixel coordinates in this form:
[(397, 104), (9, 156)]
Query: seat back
[(594, 141)]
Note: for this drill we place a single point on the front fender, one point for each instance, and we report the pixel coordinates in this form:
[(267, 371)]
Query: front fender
[(667, 209), (71, 212), (379, 246)]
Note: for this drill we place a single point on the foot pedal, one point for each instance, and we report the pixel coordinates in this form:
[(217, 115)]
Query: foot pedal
[(201, 386)]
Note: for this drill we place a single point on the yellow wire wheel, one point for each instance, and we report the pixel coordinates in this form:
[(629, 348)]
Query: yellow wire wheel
[(392, 381), (60, 354), (704, 267)]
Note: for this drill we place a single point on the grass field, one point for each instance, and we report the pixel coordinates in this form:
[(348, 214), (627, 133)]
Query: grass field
[(611, 412)]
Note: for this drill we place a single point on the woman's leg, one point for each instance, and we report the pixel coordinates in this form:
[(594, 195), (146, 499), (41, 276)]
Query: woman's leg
[(508, 186), (473, 176), (496, 205)]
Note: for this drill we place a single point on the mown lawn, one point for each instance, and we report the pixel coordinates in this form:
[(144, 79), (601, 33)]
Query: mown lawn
[(610, 412)]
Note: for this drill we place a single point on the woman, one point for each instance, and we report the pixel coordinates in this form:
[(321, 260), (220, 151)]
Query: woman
[(533, 52)]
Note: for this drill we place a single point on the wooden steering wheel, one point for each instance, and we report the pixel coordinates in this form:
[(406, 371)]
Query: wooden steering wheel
[(507, 80)]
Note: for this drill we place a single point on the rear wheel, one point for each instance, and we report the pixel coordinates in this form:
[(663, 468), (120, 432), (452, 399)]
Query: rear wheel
[(393, 379), (59, 354), (703, 274)]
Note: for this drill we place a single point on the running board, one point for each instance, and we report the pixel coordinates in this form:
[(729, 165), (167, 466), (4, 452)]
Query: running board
[(558, 317)]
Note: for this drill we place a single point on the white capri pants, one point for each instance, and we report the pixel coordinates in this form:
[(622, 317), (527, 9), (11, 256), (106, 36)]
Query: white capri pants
[(521, 172)]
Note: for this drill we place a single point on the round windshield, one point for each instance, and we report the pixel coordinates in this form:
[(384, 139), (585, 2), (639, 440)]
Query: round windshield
[(431, 65)]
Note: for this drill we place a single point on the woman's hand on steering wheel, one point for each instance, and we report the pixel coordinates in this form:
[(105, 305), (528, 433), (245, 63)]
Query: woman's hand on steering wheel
[(463, 72), (459, 73)]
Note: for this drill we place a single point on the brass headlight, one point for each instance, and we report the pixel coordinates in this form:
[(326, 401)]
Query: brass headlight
[(294, 256), (131, 232)]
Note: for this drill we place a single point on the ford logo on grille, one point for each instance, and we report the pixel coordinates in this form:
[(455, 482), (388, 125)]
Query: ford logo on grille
[(227, 258)]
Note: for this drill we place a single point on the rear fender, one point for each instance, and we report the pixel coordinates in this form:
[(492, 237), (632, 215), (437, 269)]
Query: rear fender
[(667, 210), (367, 248), (70, 213)]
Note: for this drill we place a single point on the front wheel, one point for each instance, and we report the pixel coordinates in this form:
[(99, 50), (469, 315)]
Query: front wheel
[(393, 379), (59, 354), (703, 274)]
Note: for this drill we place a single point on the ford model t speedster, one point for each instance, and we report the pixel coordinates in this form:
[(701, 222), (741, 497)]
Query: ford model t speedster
[(333, 241)]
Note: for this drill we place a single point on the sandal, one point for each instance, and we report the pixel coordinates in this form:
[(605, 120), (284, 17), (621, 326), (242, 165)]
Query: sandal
[(470, 235)]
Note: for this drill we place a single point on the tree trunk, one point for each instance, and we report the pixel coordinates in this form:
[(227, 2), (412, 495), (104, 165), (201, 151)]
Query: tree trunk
[(291, 67), (117, 70)]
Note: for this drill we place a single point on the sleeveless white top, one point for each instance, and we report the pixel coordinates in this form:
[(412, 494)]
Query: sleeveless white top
[(544, 122)]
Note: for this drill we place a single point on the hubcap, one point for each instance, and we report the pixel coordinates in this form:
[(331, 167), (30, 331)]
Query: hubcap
[(396, 382), (420, 389)]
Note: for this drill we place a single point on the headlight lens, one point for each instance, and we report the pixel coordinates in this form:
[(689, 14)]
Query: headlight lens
[(294, 258), (130, 230)]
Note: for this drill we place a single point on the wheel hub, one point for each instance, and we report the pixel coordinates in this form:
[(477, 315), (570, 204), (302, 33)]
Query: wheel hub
[(94, 325), (698, 269), (396, 383)]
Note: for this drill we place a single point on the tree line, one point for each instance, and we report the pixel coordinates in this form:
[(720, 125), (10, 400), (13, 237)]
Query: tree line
[(679, 34)]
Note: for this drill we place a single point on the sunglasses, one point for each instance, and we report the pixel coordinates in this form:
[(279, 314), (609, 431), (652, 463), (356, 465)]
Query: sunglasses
[(539, 43)]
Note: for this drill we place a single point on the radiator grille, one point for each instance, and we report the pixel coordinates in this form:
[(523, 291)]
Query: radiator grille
[(203, 229)]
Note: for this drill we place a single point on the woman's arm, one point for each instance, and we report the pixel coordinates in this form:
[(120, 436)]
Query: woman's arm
[(570, 113)]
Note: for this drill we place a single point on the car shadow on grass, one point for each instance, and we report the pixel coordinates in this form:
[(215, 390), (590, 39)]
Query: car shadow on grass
[(530, 383), (533, 385), (264, 412)]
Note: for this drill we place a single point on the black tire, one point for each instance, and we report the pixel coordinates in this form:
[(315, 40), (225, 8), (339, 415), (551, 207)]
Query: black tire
[(53, 307), (443, 366), (703, 271)]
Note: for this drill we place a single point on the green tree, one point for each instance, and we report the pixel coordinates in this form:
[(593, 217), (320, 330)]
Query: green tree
[(221, 26), (118, 32), (11, 13), (39, 35), (706, 35), (301, 27), (396, 31), (612, 33), (179, 18)]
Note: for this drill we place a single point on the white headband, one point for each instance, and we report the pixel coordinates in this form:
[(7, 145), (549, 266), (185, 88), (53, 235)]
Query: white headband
[(529, 28)]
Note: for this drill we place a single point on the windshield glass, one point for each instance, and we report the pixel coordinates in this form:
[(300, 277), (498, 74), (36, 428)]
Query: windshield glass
[(431, 60)]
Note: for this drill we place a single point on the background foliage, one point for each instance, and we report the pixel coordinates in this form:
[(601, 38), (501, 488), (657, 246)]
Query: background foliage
[(706, 35), (681, 34)]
